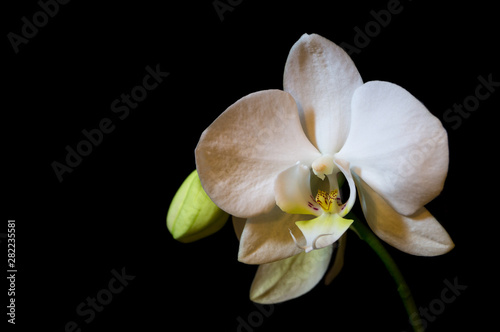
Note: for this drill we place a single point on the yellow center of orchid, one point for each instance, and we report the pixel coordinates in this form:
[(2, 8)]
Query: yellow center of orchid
[(327, 201)]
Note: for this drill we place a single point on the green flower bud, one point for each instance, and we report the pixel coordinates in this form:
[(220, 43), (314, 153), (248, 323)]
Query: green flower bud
[(192, 214)]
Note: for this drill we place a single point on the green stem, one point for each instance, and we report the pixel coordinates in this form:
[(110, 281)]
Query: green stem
[(367, 235)]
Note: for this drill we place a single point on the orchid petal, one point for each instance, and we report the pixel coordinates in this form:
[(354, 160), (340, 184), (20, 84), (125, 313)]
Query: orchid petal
[(322, 231), (240, 154), (289, 278), (322, 78), (266, 238), (396, 146), (292, 191), (419, 234)]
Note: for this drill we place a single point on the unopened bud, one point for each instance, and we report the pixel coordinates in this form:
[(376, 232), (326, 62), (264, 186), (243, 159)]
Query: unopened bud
[(192, 215)]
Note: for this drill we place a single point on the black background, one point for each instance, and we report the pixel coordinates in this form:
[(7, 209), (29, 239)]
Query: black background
[(109, 213)]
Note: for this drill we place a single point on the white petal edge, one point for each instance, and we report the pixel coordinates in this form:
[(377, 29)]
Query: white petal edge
[(344, 167), (289, 278), (322, 78), (266, 238), (419, 234), (240, 154), (396, 146)]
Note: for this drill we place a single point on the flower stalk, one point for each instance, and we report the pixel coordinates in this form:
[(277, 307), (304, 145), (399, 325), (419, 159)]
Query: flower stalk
[(371, 239)]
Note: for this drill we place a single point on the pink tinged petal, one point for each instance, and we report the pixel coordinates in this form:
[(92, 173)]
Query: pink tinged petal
[(292, 191), (240, 154), (419, 234), (266, 238), (322, 78), (289, 278), (396, 146), (321, 231)]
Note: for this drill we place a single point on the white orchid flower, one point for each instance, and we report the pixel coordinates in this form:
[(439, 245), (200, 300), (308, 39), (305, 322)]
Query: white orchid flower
[(273, 159)]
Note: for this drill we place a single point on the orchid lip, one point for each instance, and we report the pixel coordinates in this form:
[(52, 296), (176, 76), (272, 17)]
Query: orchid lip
[(298, 190)]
